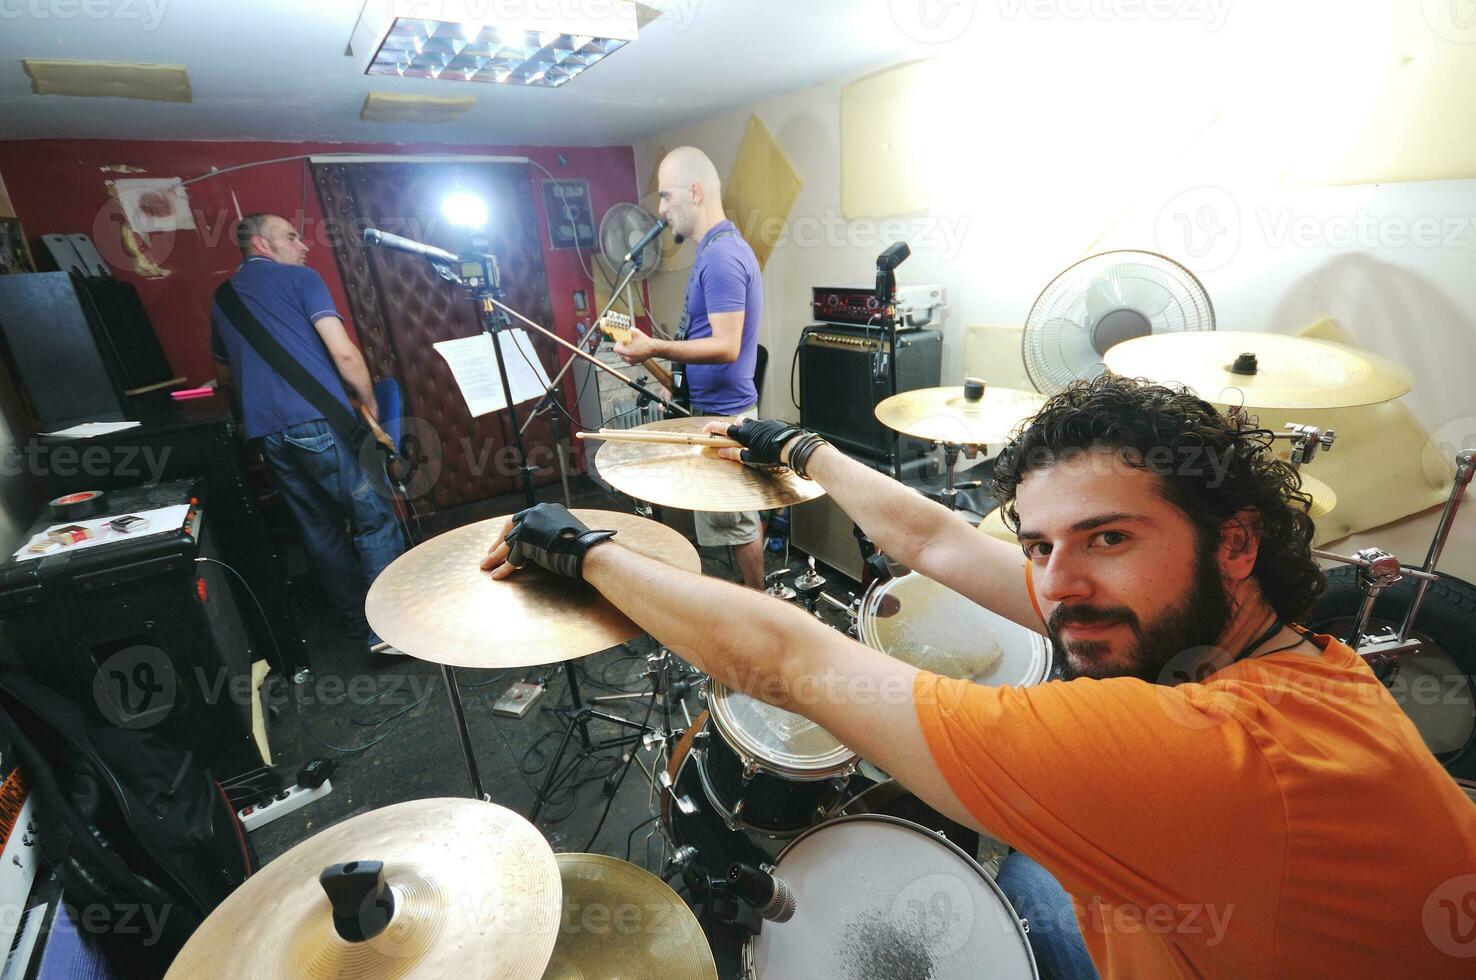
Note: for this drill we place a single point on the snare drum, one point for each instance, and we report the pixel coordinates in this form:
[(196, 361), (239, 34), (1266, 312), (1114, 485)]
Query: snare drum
[(935, 629), (877, 896), (766, 770)]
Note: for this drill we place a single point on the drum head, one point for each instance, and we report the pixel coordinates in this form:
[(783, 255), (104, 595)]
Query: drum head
[(880, 897), (784, 742), (935, 629)]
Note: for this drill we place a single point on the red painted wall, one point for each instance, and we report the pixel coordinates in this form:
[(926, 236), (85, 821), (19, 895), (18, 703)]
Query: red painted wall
[(58, 186)]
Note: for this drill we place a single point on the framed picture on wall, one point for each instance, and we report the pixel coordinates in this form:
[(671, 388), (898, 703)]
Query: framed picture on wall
[(570, 220), (15, 258)]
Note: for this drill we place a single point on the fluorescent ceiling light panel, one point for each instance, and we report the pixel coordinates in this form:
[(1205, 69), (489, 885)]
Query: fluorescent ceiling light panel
[(512, 42), (115, 79)]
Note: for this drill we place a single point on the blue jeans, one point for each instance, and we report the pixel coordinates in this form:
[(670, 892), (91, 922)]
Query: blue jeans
[(348, 528), (1055, 937)]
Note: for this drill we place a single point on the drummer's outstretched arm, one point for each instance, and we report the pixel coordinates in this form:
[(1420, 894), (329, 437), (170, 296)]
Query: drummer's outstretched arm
[(773, 651), (916, 531)]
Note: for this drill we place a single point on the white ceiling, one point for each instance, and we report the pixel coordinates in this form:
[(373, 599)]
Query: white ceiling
[(276, 70)]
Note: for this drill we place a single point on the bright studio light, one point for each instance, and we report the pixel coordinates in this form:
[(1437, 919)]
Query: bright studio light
[(465, 210)]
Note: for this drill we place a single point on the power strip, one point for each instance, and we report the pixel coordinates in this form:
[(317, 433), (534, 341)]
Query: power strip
[(293, 798)]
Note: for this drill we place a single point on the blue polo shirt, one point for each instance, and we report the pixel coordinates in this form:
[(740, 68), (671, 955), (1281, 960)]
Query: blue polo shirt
[(286, 299), (725, 279)]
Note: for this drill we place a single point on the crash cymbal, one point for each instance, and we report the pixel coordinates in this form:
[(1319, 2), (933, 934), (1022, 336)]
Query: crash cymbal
[(975, 414), (436, 604), (475, 887), (1289, 372), (695, 478), (622, 921)]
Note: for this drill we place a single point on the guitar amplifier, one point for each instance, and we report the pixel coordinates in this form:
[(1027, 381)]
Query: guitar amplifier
[(844, 371), (137, 632)]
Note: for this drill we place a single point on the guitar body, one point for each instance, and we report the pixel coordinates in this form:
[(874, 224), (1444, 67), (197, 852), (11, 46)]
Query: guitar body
[(618, 326)]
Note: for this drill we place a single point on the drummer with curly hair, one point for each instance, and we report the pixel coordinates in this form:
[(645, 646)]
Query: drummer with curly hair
[(1210, 790)]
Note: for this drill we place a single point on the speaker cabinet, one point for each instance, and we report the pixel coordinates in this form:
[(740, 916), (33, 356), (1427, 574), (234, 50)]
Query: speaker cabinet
[(845, 371)]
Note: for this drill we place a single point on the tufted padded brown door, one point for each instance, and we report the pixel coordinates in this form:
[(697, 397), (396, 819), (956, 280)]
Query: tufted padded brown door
[(401, 307)]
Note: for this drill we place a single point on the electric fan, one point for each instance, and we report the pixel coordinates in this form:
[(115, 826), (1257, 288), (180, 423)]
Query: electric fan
[(620, 228), (1101, 301)]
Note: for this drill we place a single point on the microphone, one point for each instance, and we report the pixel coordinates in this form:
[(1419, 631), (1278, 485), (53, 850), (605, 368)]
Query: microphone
[(373, 236), (770, 896), (650, 236)]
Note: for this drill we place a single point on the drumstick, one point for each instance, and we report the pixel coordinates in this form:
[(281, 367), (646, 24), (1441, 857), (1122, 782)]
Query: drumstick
[(670, 438)]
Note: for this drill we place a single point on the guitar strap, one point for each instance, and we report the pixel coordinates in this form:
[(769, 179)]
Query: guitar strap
[(682, 394), (258, 338)]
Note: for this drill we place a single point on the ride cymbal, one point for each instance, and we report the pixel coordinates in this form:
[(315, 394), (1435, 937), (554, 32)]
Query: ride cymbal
[(1262, 370), (975, 414), (622, 921), (695, 478), (475, 887), (435, 603)]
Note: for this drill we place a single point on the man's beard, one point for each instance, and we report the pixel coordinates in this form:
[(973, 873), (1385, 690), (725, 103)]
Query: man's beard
[(1198, 620)]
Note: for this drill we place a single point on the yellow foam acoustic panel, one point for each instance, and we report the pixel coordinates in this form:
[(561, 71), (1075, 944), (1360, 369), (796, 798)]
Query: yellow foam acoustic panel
[(879, 172), (761, 189), (7, 210), (1381, 466), (114, 79), (388, 107)]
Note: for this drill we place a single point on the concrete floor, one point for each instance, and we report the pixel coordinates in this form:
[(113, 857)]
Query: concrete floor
[(390, 730)]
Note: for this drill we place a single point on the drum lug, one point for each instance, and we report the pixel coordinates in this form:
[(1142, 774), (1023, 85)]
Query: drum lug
[(734, 818), (664, 778), (1025, 926), (700, 735), (750, 769), (685, 804)]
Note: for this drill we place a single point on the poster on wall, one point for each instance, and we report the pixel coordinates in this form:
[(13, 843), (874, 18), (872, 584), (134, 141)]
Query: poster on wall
[(155, 204), (570, 216), (15, 258)]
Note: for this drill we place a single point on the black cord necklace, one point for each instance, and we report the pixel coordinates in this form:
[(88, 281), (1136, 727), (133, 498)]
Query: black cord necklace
[(1275, 628)]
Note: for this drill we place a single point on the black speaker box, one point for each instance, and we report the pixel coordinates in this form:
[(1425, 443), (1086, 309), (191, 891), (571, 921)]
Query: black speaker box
[(845, 371), (140, 634)]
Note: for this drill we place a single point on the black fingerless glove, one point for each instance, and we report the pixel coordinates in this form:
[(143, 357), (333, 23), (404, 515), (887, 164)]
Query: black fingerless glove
[(764, 441), (549, 536)]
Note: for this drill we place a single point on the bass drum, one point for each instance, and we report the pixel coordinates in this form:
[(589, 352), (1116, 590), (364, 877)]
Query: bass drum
[(930, 626), (876, 896), (1437, 686)]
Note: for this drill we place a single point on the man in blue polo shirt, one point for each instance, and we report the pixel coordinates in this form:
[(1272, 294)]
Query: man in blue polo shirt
[(317, 473), (717, 338)]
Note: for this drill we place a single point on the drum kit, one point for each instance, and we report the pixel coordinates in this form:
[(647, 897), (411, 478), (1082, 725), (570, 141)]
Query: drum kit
[(468, 886)]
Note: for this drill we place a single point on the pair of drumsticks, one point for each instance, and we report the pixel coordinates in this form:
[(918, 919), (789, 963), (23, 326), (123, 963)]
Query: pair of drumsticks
[(660, 436)]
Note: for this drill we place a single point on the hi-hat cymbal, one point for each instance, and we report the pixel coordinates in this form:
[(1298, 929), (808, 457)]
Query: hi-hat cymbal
[(694, 478), (1290, 372), (622, 921), (951, 415), (436, 604), (476, 893)]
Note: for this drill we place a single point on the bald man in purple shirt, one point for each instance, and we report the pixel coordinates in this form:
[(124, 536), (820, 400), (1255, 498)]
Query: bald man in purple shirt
[(718, 336)]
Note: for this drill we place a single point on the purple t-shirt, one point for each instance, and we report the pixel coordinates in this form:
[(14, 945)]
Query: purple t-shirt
[(286, 299), (725, 279)]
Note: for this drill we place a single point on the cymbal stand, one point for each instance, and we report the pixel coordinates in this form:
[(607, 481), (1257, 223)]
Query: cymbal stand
[(579, 715), (1379, 570)]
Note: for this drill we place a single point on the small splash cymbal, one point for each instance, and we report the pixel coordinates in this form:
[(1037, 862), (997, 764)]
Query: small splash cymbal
[(435, 603), (475, 886), (975, 414), (621, 921), (1262, 370), (696, 478)]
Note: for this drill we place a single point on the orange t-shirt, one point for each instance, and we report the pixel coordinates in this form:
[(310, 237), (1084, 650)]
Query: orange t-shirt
[(1282, 819)]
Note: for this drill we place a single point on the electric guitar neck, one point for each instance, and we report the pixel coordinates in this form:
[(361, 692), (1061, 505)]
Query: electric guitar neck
[(618, 326)]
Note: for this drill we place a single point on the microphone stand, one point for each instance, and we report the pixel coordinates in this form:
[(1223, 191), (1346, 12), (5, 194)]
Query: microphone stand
[(635, 267)]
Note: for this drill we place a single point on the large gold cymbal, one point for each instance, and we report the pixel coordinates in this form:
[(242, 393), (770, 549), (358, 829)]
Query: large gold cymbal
[(1291, 372), (1323, 497), (694, 478), (476, 891), (950, 415), (622, 921), (436, 604)]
